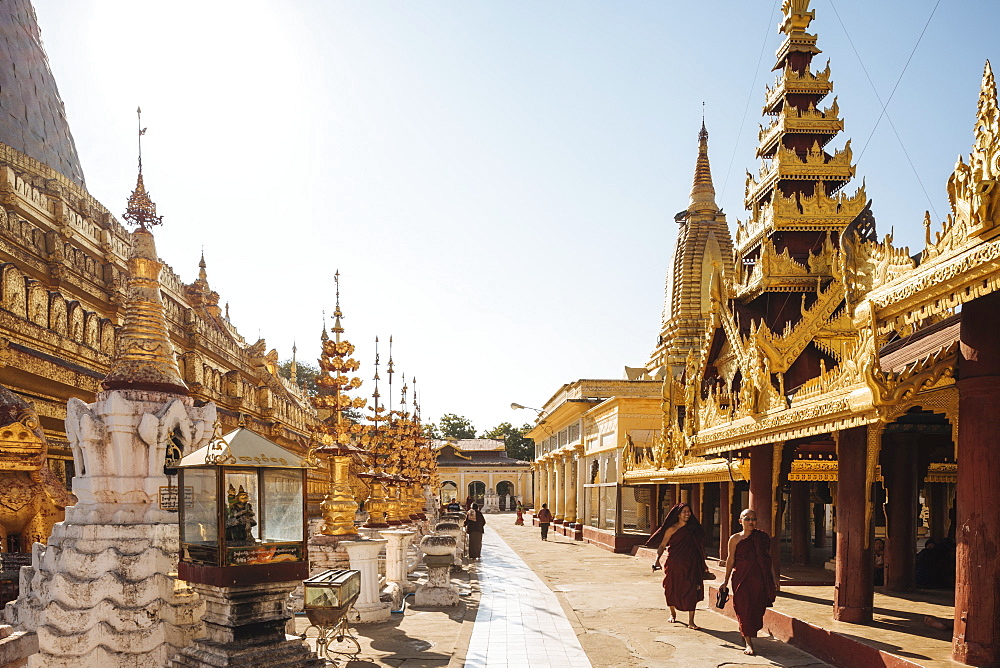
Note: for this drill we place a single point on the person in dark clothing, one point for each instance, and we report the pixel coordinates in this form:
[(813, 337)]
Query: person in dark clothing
[(928, 566), (683, 538), (544, 520), (475, 526), (879, 571), (749, 564)]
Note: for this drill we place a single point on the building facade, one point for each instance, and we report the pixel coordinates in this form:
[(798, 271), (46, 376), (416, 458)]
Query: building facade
[(479, 468), (63, 270), (580, 438), (834, 370)]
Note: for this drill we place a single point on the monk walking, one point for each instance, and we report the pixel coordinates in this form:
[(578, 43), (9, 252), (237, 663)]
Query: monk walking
[(682, 536), (749, 563)]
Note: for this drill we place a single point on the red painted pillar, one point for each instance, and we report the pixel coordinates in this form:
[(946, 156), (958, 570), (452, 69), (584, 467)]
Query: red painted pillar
[(976, 638), (801, 524), (725, 518), (695, 500), (854, 592), (762, 497), (819, 525), (899, 470)]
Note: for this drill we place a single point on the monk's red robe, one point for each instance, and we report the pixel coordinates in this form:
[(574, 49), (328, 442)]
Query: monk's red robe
[(753, 582), (684, 569)]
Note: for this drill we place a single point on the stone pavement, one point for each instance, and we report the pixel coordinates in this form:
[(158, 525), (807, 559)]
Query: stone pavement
[(519, 622), (614, 604), (533, 603)]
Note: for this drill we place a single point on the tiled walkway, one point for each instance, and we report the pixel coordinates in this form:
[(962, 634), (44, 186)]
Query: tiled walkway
[(520, 623)]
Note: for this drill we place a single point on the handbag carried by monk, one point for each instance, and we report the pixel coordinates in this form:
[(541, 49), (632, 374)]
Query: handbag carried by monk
[(721, 597)]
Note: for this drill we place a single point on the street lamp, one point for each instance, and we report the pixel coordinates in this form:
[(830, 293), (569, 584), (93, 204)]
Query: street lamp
[(516, 406)]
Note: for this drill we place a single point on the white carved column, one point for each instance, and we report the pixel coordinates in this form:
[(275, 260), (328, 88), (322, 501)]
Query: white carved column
[(395, 556), (560, 491), (364, 558)]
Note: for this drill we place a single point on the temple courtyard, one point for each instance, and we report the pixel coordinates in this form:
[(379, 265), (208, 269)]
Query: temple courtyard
[(561, 603)]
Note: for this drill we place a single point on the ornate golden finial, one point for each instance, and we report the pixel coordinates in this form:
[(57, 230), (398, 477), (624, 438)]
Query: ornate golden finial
[(323, 335), (987, 116), (144, 357), (796, 16), (702, 190), (338, 328), (294, 371), (202, 274), (141, 211)]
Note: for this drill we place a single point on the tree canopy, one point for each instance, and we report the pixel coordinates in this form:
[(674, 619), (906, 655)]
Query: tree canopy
[(518, 447), (455, 426), (305, 375)]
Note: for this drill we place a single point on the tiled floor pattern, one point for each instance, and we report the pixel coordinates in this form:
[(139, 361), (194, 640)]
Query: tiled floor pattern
[(520, 623)]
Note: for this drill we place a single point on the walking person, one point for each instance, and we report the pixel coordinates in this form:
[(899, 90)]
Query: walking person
[(749, 563), (544, 519), (475, 526), (683, 538), (519, 522)]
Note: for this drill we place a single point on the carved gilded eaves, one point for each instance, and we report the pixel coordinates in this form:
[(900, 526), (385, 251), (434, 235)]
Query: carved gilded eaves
[(791, 82), (891, 389), (818, 211), (782, 350), (793, 120), (815, 165)]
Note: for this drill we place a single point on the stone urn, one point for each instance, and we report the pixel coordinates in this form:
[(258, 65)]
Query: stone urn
[(452, 517), (438, 550), (438, 590)]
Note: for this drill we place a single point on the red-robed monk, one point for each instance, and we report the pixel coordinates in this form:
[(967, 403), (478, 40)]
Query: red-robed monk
[(749, 563), (683, 539)]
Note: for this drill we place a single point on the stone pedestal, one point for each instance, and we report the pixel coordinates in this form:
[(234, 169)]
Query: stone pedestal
[(328, 552), (438, 592), (491, 502), (368, 609), (245, 626), (101, 594), (396, 562)]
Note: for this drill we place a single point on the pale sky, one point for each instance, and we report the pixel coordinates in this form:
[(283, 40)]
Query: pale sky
[(495, 180)]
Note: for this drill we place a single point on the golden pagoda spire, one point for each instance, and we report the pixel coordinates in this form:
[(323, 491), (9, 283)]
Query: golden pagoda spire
[(141, 211), (702, 190), (144, 357), (336, 434), (293, 372)]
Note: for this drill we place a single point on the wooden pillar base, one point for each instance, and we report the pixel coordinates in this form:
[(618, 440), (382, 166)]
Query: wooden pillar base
[(854, 592)]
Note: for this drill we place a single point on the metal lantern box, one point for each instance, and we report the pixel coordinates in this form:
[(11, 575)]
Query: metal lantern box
[(328, 595), (242, 512)]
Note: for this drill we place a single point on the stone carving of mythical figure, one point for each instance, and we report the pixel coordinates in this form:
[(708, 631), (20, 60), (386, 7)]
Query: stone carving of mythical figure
[(32, 499), (240, 519)]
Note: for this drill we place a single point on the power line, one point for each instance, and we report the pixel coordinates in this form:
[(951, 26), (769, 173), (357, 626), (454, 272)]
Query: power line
[(753, 90), (891, 94)]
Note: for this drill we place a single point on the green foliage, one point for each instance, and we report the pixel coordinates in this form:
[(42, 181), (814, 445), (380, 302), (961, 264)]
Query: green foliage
[(305, 374), (431, 430), (518, 447), (455, 426)]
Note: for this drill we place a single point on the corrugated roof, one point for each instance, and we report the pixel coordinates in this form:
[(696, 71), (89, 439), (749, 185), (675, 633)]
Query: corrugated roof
[(897, 355), (471, 444)]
